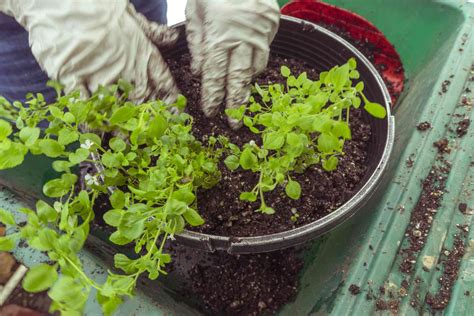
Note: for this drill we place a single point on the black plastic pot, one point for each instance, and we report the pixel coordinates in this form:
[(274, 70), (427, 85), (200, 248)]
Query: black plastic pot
[(321, 49)]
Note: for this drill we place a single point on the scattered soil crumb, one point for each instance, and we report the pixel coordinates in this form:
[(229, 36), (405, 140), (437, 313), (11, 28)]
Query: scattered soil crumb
[(463, 126), (385, 305), (463, 208), (445, 85), (421, 219), (354, 289), (423, 126), (451, 264), (442, 145)]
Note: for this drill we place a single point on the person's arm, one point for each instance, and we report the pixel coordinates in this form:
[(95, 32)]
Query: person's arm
[(229, 42), (87, 43)]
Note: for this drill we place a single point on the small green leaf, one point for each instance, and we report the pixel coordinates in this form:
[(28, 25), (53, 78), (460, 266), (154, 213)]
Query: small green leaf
[(131, 225), (56, 112), (67, 136), (62, 166), (157, 127), (375, 109), (119, 239), (121, 261), (110, 160), (327, 143), (11, 154), (58, 187), (40, 278), (91, 137), (45, 212), (5, 129), (122, 114), (113, 217), (78, 156), (341, 129), (293, 189), (352, 63), (236, 114), (51, 148), (6, 217), (267, 210), (285, 71), (330, 164), (184, 195), (248, 160), (7, 243), (29, 135), (273, 140), (193, 217), (108, 304), (70, 292), (69, 118), (359, 86), (232, 162), (125, 86), (248, 196), (117, 199), (181, 102)]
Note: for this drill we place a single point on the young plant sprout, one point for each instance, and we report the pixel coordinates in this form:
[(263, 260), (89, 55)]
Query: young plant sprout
[(303, 123), (148, 155)]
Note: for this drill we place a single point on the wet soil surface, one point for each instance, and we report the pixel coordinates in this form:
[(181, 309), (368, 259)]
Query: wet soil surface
[(322, 192)]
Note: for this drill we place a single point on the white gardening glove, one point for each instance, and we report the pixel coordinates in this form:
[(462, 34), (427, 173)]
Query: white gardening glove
[(229, 42), (87, 43)]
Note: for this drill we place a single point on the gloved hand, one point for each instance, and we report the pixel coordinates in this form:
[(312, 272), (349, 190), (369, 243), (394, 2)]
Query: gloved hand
[(87, 43), (229, 42)]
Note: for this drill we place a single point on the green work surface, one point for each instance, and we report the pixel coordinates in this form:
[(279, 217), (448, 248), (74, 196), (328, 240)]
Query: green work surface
[(435, 41)]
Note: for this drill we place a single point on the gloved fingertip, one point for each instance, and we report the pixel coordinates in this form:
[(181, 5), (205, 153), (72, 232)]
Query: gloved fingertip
[(210, 110), (174, 110), (234, 124), (169, 37)]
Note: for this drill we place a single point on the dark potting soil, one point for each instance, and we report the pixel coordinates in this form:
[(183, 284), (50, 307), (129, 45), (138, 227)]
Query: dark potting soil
[(38, 302), (252, 284), (322, 192)]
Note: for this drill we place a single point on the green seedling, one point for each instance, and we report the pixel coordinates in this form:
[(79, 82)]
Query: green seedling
[(302, 123), (152, 157)]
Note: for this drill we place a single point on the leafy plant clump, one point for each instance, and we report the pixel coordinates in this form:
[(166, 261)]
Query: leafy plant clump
[(149, 166), (152, 160), (301, 124)]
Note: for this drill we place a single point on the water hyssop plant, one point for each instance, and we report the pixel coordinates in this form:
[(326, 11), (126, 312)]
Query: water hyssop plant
[(149, 166)]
